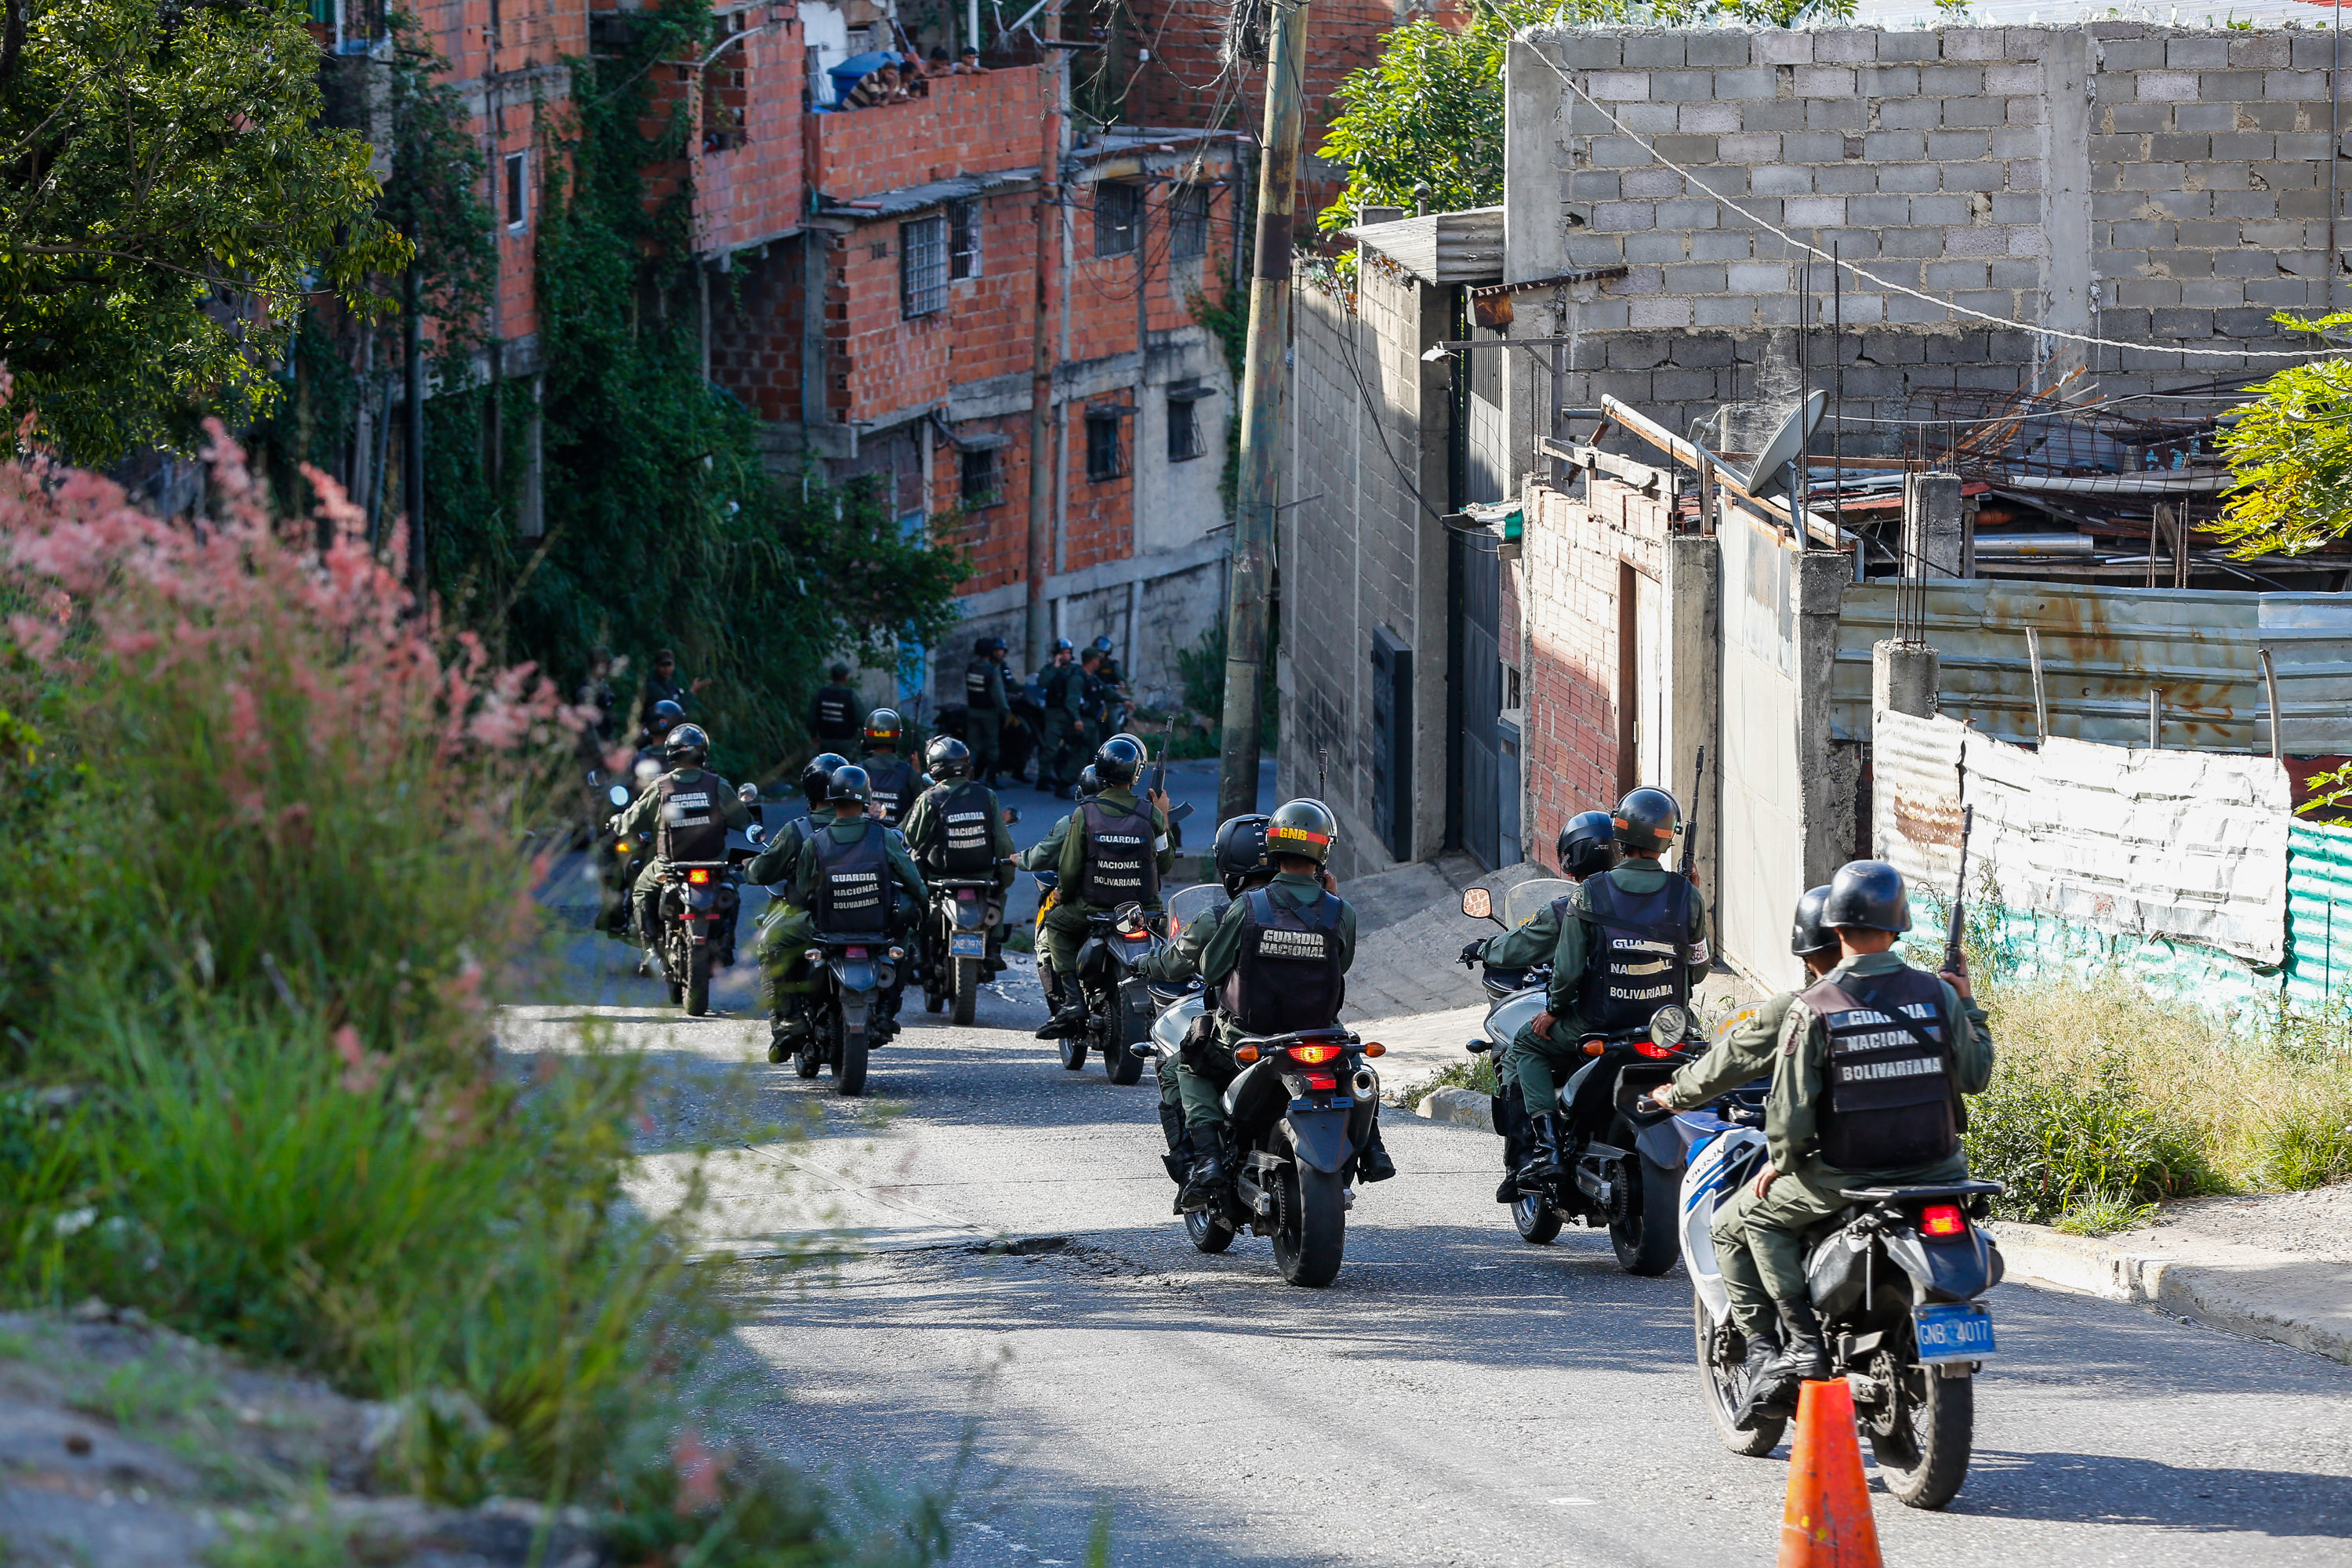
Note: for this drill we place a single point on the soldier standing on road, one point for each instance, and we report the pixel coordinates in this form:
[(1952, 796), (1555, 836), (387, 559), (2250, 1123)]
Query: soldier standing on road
[(1742, 1056), (985, 704), (1063, 684), (1637, 942), (1866, 1092), (832, 711), (1114, 852)]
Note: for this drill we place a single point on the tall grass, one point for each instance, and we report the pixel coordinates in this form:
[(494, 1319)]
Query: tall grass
[(275, 865)]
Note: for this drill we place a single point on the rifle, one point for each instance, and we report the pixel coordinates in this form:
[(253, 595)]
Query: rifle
[(1322, 769), (1159, 772), (1954, 960), (1690, 833)]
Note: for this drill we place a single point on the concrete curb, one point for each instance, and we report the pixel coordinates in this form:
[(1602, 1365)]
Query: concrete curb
[(2217, 1297), (1461, 1107)]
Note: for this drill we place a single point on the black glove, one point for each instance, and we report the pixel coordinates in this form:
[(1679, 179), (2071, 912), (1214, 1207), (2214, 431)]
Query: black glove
[(1475, 953)]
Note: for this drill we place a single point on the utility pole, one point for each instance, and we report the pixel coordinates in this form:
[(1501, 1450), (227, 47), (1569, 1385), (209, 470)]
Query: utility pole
[(1262, 395), (1039, 560), (411, 435)]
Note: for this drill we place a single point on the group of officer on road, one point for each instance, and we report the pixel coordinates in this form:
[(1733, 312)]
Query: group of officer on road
[(1080, 694)]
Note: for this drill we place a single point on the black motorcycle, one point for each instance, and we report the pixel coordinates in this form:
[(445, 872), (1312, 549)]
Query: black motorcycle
[(959, 947), (1621, 1163), (1120, 1008), (1298, 1115), (848, 1011), (697, 909), (1016, 737)]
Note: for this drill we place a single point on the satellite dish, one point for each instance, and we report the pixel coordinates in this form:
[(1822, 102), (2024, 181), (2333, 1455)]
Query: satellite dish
[(1769, 476)]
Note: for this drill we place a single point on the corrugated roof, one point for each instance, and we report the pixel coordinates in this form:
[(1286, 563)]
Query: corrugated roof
[(1440, 248), (915, 198), (2318, 912), (2102, 650)]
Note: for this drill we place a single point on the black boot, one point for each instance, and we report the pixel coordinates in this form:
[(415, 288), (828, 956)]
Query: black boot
[(1179, 1158), (1758, 1396), (1206, 1182), (1542, 1169), (1374, 1164), (785, 1031), (1507, 1191), (1803, 1358)]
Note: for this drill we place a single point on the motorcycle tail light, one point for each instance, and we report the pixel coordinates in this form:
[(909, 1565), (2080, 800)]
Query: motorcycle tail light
[(1322, 1080), (1652, 1048), (698, 877), (855, 952), (1313, 1056), (1943, 1219), (1245, 1054)]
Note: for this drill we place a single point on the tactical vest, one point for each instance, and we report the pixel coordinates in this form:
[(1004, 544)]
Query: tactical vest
[(691, 827), (1888, 1100), (834, 720), (892, 783), (963, 847), (1636, 953), (1121, 862), (976, 693), (1288, 975), (853, 882)]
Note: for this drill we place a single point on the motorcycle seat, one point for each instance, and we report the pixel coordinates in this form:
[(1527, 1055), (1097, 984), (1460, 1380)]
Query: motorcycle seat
[(1961, 1189)]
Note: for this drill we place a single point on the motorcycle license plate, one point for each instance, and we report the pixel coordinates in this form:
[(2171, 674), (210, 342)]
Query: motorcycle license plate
[(1957, 1331), (967, 944)]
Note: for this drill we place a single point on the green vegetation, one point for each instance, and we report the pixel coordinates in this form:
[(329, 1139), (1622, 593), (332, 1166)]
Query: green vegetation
[(2291, 453), (1477, 1073), (172, 197), (271, 876)]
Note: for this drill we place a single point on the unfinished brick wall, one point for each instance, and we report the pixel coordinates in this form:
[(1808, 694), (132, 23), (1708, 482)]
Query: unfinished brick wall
[(966, 124), (751, 193), (1573, 570)]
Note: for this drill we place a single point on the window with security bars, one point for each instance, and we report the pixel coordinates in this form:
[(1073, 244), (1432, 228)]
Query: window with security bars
[(984, 485), (922, 266), (1119, 218), (1105, 458), (963, 239), (1184, 428), (1188, 223)]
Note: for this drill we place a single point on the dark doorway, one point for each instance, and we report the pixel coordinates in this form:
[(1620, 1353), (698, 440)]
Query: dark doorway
[(1477, 764)]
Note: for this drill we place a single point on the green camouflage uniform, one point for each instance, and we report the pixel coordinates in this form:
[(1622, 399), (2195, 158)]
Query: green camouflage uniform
[(1066, 922), (791, 933), (1066, 744), (1204, 1093), (1741, 1056), (778, 859), (642, 820), (983, 728), (1173, 965)]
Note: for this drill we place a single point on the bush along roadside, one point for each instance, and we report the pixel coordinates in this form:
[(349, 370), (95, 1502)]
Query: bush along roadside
[(274, 865)]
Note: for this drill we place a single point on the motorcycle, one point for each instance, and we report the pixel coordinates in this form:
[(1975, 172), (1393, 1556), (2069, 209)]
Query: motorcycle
[(1017, 735), (1117, 1001), (1894, 1276), (1620, 1161), (958, 945), (697, 909), (848, 1015)]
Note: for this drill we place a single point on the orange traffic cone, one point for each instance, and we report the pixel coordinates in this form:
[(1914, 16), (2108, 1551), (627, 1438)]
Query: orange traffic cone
[(1826, 1522)]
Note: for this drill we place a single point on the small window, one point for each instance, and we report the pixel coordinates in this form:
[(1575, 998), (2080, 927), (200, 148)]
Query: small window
[(1188, 223), (963, 239), (1119, 218), (923, 266), (982, 485), (518, 184), (1104, 458), (1184, 428)]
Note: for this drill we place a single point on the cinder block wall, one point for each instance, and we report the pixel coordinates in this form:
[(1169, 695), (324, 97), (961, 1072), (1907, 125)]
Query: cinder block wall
[(2157, 186)]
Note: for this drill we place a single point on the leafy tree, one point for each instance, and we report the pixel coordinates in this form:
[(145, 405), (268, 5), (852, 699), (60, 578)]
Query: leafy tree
[(168, 200), (1430, 110), (2291, 452)]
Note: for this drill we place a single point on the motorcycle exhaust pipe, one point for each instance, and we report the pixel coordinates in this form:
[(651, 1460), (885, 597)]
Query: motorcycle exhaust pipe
[(1365, 1084)]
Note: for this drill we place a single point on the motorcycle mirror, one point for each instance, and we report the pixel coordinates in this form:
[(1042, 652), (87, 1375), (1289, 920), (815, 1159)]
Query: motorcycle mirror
[(756, 832), (1144, 1050), (1478, 903), (618, 796), (747, 792), (1012, 814), (1669, 1026)]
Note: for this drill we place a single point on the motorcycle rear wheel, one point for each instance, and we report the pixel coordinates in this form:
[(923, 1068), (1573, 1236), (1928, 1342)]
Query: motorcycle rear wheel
[(1310, 1233), (1126, 1029), (849, 1072), (967, 992), (1074, 1052), (1720, 1385), (1209, 1232), (1924, 1459), (1536, 1220), (1646, 1242), (698, 982)]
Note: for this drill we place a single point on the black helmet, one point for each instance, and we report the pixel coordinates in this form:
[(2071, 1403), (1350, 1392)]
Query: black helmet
[(982, 647), (1303, 827), (1118, 761), (1089, 783), (665, 714), (1102, 646), (1062, 645), (849, 782), (837, 673), (1647, 819), (1241, 849), (884, 728), (1588, 845), (947, 758), (1807, 934), (688, 743), (1868, 894), (816, 775)]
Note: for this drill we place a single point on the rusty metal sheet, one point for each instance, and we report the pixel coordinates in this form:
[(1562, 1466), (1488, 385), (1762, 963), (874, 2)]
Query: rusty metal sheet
[(2169, 844), (2103, 648)]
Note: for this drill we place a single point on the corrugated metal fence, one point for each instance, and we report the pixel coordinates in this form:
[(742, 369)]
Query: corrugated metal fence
[(2103, 648), (2318, 914)]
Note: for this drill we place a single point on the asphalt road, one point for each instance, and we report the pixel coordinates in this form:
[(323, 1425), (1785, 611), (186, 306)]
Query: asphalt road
[(1455, 1397)]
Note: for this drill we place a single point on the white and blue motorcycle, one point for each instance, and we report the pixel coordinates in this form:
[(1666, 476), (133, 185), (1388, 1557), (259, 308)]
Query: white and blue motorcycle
[(1894, 1276)]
